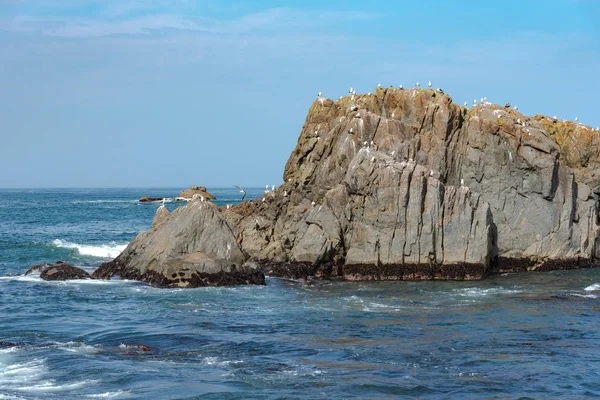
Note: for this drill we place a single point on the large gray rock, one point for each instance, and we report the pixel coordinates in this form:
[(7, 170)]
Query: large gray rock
[(409, 185), (190, 247), (399, 184)]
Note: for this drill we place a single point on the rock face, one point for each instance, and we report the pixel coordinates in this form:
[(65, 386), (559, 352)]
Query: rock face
[(190, 247), (59, 271), (199, 190), (408, 185), (405, 184)]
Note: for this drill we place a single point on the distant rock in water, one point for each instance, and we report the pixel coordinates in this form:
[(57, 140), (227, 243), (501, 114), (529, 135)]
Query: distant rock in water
[(192, 246), (59, 271), (184, 195), (199, 190), (403, 185)]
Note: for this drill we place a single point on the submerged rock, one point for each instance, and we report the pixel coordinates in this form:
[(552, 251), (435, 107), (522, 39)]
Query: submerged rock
[(192, 246), (59, 271)]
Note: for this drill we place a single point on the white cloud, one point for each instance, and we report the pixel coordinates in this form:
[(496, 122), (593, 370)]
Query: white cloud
[(276, 19)]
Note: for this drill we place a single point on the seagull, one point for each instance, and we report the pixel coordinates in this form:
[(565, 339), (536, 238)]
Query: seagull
[(481, 101), (313, 204), (368, 94), (576, 119), (273, 187), (357, 115), (417, 84), (371, 143), (350, 91), (164, 200), (474, 101), (365, 143), (242, 191), (379, 85), (351, 130), (518, 120), (263, 199), (393, 152), (400, 87), (372, 158), (430, 172), (429, 84), (516, 108), (465, 103), (320, 94), (393, 115), (284, 193), (462, 182), (555, 118)]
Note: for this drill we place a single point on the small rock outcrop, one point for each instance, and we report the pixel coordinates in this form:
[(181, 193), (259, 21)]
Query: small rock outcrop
[(199, 190), (59, 271), (192, 246)]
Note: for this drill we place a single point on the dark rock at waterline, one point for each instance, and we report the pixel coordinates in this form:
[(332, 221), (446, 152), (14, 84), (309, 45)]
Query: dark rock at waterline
[(59, 271)]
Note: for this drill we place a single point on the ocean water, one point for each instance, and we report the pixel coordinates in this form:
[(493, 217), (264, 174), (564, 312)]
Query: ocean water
[(532, 335)]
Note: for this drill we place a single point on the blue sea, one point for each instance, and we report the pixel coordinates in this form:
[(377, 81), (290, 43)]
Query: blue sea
[(530, 335)]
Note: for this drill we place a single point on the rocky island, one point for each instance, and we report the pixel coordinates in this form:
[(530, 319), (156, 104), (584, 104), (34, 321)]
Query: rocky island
[(394, 185)]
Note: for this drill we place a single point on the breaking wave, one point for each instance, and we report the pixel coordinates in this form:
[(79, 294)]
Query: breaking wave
[(110, 250)]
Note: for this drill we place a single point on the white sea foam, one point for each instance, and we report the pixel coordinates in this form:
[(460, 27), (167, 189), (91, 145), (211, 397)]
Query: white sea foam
[(592, 288), (479, 292), (104, 201), (108, 395), (110, 250), (22, 278), (32, 376), (78, 347), (13, 375)]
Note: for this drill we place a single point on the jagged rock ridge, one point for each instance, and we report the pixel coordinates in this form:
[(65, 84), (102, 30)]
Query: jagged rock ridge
[(403, 184)]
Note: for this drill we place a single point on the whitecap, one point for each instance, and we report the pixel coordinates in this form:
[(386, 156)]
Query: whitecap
[(51, 386), (77, 347), (23, 278), (594, 287), (13, 374), (110, 250), (109, 395), (479, 292)]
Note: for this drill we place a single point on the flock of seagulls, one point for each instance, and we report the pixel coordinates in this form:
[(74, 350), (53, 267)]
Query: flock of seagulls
[(352, 92), (483, 100)]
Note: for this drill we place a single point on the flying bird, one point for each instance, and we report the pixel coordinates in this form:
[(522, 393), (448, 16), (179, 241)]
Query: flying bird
[(242, 191)]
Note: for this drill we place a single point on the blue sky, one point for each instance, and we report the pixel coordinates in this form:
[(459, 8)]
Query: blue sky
[(169, 93)]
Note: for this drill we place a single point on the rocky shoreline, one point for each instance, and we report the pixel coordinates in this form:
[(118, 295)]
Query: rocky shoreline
[(394, 185)]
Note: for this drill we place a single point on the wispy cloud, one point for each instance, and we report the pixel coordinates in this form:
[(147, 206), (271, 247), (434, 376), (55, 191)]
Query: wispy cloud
[(111, 22)]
